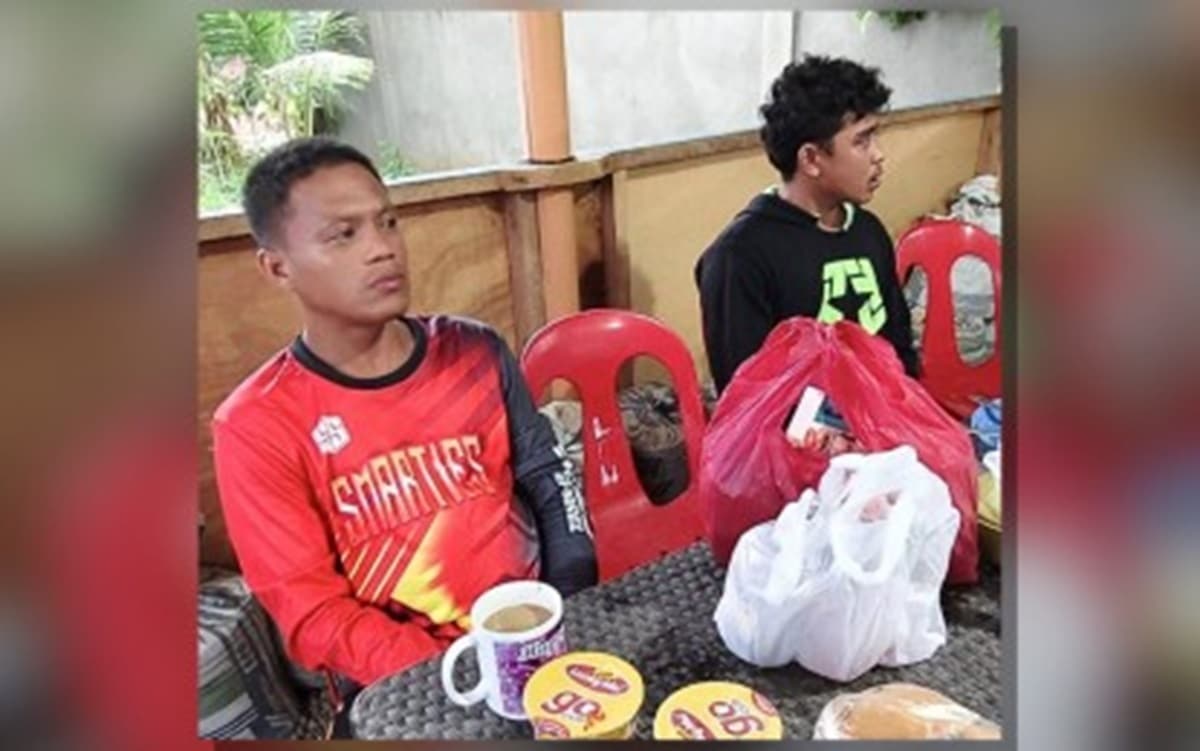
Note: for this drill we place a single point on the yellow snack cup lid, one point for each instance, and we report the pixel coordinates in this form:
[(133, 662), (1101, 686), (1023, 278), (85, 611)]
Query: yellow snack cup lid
[(583, 695), (717, 710)]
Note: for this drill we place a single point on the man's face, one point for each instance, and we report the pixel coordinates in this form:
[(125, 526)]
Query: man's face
[(853, 169), (340, 248)]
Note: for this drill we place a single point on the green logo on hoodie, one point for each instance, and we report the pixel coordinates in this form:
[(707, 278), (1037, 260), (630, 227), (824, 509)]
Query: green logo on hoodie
[(850, 291)]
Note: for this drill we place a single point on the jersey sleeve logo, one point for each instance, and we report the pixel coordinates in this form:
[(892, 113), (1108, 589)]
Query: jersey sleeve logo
[(330, 434)]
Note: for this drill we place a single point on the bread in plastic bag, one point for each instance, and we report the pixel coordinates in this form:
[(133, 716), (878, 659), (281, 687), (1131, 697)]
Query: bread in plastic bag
[(900, 711)]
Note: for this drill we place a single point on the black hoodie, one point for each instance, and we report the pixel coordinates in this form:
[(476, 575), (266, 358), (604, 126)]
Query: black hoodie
[(773, 262)]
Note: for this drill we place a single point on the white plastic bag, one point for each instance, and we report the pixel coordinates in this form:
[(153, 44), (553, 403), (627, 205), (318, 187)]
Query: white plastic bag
[(848, 576)]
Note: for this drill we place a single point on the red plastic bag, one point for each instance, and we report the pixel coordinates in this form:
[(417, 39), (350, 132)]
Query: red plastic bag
[(749, 471)]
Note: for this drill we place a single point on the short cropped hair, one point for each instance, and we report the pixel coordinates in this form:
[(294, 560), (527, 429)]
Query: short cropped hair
[(270, 180)]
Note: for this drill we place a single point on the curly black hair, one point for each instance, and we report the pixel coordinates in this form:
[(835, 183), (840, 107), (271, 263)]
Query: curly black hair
[(270, 180), (809, 103)]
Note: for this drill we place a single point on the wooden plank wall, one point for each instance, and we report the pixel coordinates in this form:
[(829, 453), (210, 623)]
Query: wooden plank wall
[(926, 160), (671, 214), (457, 260), (589, 238), (243, 319)]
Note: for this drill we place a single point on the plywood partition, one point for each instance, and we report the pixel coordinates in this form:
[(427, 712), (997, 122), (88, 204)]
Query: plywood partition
[(458, 260), (672, 213), (589, 239), (614, 197), (524, 265), (926, 160), (242, 320), (989, 160)]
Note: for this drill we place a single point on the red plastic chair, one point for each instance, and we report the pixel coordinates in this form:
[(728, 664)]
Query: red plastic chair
[(588, 350), (935, 245)]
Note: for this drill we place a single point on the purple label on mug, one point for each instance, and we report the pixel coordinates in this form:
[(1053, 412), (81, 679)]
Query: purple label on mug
[(516, 661)]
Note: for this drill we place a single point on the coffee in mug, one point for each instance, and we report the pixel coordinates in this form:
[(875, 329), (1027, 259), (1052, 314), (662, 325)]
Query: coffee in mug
[(516, 627), (517, 618)]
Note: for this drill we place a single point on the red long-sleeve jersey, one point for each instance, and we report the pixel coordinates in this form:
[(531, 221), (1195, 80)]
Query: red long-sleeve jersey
[(368, 514)]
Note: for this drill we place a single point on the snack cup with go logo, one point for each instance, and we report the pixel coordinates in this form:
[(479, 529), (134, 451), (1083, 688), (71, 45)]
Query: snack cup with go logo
[(584, 695), (717, 710)]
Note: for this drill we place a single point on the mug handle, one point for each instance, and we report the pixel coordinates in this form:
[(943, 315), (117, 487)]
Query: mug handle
[(472, 696)]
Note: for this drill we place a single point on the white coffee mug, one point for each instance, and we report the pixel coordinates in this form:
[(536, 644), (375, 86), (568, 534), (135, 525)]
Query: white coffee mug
[(506, 659)]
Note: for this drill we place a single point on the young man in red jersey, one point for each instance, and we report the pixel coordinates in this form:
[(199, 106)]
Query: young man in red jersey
[(383, 470)]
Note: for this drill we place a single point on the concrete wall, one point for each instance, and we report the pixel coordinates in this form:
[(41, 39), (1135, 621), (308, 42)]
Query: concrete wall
[(944, 57), (446, 89), (635, 78)]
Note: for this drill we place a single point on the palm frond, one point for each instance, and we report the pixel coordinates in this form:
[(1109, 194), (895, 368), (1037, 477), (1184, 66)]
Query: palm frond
[(333, 30), (315, 80), (321, 73), (268, 75), (262, 37)]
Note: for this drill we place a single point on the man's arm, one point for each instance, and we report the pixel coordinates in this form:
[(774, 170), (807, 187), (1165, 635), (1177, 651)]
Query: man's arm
[(735, 311), (548, 484), (898, 329), (285, 551)]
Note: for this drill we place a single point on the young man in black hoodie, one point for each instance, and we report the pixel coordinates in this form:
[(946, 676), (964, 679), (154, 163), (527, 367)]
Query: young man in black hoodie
[(806, 247)]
